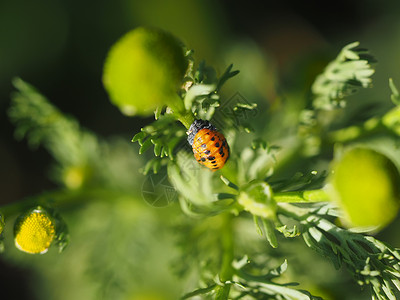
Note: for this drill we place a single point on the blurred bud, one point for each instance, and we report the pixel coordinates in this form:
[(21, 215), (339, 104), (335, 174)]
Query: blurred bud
[(2, 224), (366, 184), (37, 229), (257, 199), (143, 71), (74, 177)]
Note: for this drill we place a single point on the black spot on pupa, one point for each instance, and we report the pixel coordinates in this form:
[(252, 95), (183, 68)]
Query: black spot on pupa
[(217, 144), (222, 154), (214, 162), (203, 146), (203, 159), (213, 138), (211, 158), (207, 152)]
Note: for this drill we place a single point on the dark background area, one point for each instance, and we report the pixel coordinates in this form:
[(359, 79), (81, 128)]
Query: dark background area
[(59, 47)]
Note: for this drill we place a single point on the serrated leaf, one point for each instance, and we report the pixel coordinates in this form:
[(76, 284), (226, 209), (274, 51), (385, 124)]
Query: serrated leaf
[(197, 91), (395, 96), (288, 233), (157, 149), (270, 233), (245, 106), (227, 182), (350, 70), (226, 75), (288, 293), (41, 123), (157, 112), (147, 167), (223, 196), (199, 292), (165, 151), (258, 227), (171, 146), (156, 165), (138, 136), (145, 146)]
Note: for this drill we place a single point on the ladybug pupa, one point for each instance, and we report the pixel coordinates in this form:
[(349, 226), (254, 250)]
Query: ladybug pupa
[(209, 146)]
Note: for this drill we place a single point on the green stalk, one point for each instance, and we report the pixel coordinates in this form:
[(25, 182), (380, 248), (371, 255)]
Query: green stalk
[(354, 132), (302, 196), (183, 115), (226, 273), (62, 199), (186, 118)]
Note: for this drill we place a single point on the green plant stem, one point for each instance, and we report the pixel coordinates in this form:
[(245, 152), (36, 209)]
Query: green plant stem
[(62, 199), (186, 118), (183, 115), (302, 196), (226, 273), (354, 132)]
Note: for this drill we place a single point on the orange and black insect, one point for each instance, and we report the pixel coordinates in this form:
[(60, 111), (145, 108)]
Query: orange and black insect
[(209, 146)]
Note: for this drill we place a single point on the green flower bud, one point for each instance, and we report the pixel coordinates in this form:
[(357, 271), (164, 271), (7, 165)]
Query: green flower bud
[(1, 224), (143, 71), (366, 184), (257, 199), (74, 176)]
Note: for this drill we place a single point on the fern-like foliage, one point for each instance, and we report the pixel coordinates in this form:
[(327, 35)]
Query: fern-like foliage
[(246, 285), (81, 158), (264, 287), (236, 116), (41, 123), (371, 262), (391, 120), (165, 135), (352, 69), (201, 97), (395, 93)]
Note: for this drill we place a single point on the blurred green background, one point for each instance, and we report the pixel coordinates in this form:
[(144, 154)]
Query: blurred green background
[(59, 46)]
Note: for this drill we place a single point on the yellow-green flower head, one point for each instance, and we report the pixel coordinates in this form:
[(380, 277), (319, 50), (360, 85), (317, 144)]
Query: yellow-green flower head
[(143, 71), (366, 184), (34, 231)]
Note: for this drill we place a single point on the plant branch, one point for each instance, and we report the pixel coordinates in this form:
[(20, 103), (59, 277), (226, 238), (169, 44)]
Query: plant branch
[(186, 118), (354, 132), (319, 195), (226, 273), (62, 199)]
